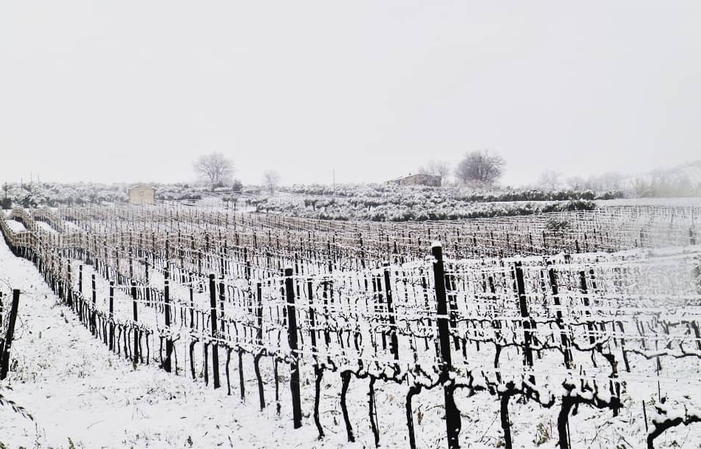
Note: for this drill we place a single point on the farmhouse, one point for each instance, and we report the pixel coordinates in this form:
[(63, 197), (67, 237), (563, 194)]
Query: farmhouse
[(142, 194), (420, 179)]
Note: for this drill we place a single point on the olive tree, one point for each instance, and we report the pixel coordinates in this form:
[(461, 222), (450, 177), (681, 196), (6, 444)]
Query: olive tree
[(480, 167)]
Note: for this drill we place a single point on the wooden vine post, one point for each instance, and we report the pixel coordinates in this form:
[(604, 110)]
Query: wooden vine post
[(213, 313), (394, 341), (148, 290), (169, 340), (585, 300), (259, 342), (111, 336), (80, 279), (452, 414), (191, 289), (523, 307), (292, 339), (69, 290), (9, 335), (93, 313), (135, 313), (222, 300), (564, 340)]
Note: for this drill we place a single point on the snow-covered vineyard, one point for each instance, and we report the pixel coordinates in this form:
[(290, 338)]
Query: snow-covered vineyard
[(575, 329)]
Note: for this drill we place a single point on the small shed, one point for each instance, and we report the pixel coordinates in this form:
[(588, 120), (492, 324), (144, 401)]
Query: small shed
[(420, 179), (142, 194)]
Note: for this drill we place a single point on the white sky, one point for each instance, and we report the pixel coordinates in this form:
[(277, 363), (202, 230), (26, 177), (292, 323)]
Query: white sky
[(130, 91)]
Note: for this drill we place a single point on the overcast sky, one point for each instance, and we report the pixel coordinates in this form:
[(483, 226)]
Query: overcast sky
[(125, 91)]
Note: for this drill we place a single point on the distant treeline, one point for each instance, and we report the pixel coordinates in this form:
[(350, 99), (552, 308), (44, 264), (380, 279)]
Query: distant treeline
[(457, 193), (40, 194)]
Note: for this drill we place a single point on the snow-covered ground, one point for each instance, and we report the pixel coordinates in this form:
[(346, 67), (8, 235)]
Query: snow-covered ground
[(667, 202), (71, 227), (82, 395), (46, 227), (15, 226)]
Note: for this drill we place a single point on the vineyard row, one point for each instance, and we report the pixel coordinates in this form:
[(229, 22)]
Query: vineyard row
[(566, 329)]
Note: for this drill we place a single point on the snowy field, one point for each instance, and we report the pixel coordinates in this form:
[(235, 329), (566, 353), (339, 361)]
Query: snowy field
[(79, 394)]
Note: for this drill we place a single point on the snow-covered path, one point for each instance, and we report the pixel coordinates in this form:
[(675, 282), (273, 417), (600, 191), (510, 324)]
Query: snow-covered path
[(79, 393)]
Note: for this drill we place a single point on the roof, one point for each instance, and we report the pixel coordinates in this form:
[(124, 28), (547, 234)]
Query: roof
[(414, 176), (142, 186)]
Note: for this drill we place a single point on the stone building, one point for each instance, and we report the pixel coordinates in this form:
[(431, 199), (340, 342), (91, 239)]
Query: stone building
[(420, 179), (142, 194)]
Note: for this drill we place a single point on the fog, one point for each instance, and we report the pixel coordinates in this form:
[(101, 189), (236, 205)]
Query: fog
[(363, 91)]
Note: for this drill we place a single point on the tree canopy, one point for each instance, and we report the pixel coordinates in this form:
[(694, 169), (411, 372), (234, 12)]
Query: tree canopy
[(214, 168), (271, 179), (480, 167)]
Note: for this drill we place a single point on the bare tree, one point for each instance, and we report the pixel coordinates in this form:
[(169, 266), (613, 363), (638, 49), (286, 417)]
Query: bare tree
[(436, 168), (576, 182), (214, 168), (480, 167), (611, 181), (271, 180), (549, 180), (597, 183)]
